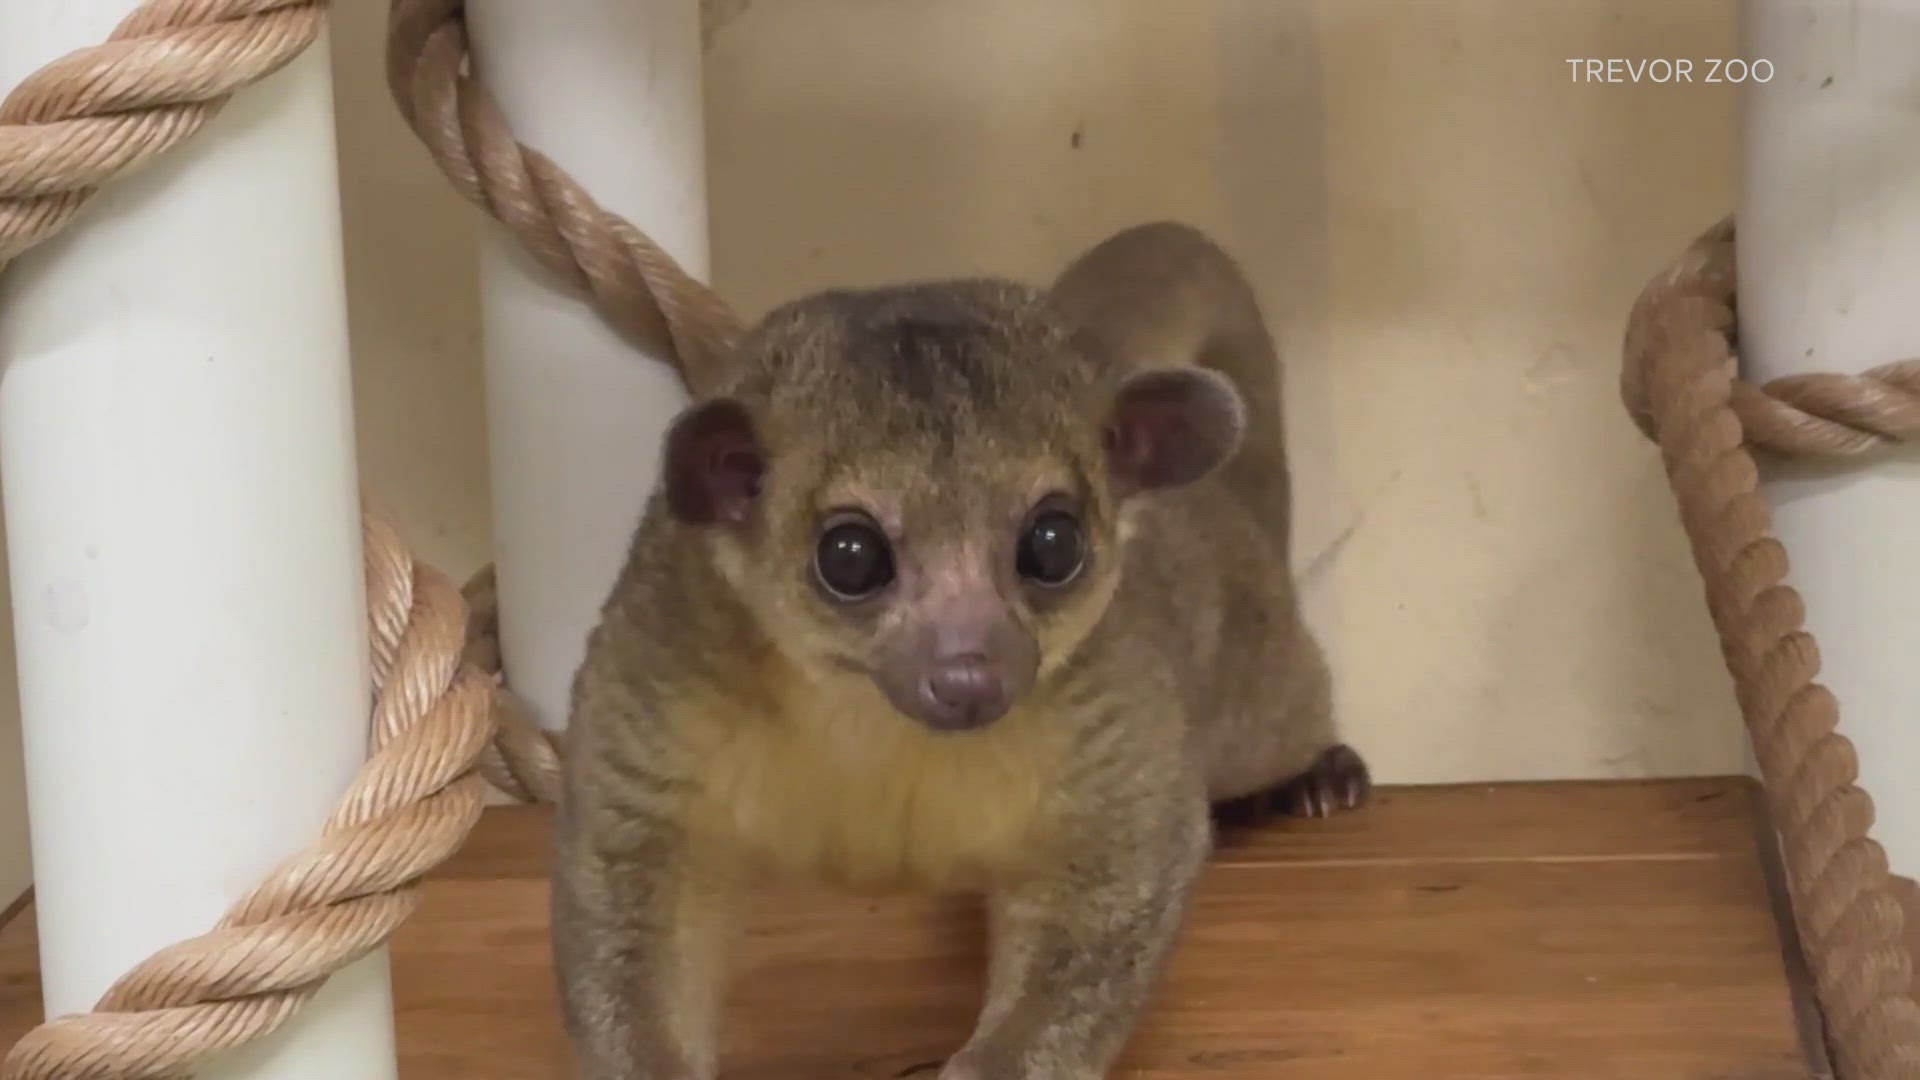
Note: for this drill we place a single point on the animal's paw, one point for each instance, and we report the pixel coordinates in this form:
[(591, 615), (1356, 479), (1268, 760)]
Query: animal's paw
[(1337, 780)]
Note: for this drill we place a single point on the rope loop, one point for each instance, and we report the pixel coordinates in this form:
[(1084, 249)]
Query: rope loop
[(1680, 384)]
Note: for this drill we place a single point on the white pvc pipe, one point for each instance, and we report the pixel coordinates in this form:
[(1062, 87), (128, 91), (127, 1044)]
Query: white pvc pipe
[(1829, 243), (611, 90), (176, 445)]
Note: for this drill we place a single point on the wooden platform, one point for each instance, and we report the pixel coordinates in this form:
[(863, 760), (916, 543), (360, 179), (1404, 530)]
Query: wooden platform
[(1591, 931)]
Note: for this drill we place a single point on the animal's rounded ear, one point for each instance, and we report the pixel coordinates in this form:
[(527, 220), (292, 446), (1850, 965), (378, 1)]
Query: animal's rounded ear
[(713, 463), (1172, 426)]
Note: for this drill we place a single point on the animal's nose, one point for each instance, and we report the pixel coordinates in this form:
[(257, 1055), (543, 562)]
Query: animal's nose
[(963, 692)]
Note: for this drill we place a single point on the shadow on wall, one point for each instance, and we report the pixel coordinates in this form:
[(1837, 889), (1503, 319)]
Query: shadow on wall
[(412, 248)]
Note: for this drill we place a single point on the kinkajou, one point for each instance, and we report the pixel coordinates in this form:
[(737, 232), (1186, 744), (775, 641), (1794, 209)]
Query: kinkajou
[(956, 586)]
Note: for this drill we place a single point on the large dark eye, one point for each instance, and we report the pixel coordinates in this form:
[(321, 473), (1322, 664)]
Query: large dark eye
[(852, 559), (1051, 549)]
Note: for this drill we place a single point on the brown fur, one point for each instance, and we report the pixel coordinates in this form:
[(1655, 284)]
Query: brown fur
[(727, 723)]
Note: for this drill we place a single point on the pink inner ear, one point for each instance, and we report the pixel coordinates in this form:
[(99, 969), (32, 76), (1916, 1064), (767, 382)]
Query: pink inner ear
[(1128, 447), (734, 469), (713, 464), (1141, 437)]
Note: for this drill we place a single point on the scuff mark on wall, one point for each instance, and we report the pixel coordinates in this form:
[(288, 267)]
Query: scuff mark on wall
[(1327, 556), (1323, 561), (1554, 365), (1480, 508)]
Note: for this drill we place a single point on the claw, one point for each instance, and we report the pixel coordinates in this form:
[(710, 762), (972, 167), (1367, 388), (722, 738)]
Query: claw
[(1338, 780)]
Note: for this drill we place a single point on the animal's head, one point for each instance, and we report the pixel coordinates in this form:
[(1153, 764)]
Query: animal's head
[(929, 485)]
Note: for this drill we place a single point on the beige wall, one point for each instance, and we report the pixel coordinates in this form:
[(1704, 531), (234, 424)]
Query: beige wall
[(1447, 228)]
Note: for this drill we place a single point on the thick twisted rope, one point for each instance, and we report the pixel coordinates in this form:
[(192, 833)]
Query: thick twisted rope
[(102, 110), (410, 807), (1680, 382), (635, 284), (1814, 415), (523, 760)]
